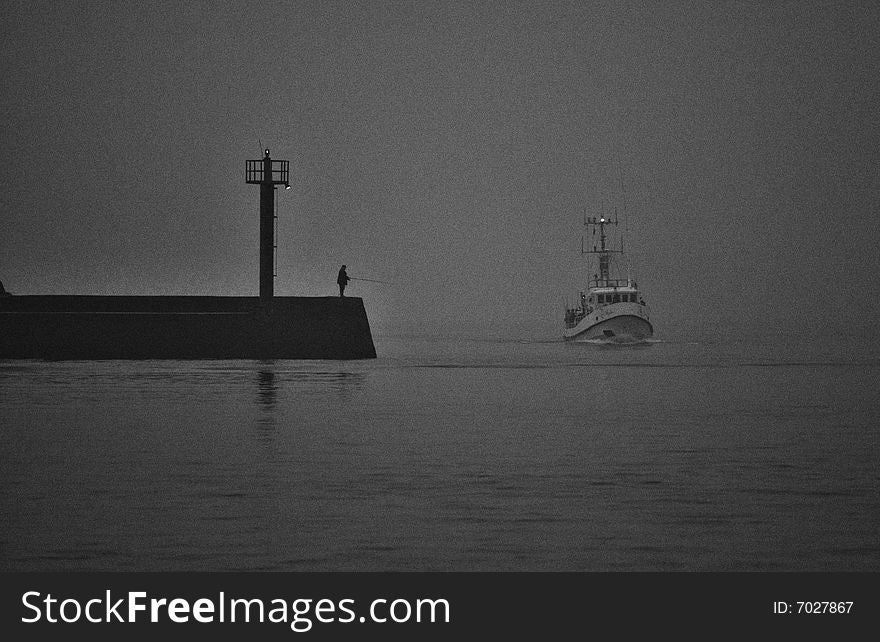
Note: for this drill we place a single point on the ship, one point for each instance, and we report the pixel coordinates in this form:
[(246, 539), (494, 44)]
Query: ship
[(88, 327), (610, 309)]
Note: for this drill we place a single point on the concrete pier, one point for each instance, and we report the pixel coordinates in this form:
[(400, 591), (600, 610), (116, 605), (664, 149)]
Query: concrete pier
[(183, 327)]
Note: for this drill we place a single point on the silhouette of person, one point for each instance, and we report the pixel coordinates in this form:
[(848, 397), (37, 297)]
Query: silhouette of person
[(342, 280)]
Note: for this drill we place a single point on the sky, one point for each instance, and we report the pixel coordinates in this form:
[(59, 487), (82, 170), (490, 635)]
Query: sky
[(451, 150)]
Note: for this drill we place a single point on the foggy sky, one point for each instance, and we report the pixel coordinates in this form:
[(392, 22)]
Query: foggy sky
[(450, 148)]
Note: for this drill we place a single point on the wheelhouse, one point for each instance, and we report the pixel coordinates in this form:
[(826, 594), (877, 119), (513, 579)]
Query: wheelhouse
[(607, 296), (616, 297)]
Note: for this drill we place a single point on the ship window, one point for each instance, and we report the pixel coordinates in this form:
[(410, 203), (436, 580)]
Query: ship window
[(601, 298), (616, 298)]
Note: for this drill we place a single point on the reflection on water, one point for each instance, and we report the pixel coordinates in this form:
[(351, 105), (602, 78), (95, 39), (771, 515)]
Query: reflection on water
[(267, 398), (267, 389), (276, 380), (337, 381), (273, 379)]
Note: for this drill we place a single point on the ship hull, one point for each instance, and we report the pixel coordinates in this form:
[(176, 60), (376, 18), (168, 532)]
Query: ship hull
[(97, 327), (619, 323)]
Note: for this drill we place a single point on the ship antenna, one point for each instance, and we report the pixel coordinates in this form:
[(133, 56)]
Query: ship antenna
[(625, 213)]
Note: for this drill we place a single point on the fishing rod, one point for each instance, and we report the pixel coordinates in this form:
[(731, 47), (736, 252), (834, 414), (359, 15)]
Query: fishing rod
[(354, 278)]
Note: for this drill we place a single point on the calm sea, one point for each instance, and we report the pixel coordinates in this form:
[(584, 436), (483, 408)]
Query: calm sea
[(726, 454)]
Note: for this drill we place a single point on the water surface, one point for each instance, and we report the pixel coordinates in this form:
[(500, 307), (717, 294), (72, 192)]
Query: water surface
[(449, 454)]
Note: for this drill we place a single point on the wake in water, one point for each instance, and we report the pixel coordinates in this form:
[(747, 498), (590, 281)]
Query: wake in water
[(618, 342)]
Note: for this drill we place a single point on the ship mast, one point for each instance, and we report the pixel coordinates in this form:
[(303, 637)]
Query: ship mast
[(603, 279)]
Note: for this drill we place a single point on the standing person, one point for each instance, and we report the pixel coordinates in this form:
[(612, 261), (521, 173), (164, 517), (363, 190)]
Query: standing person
[(342, 280)]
